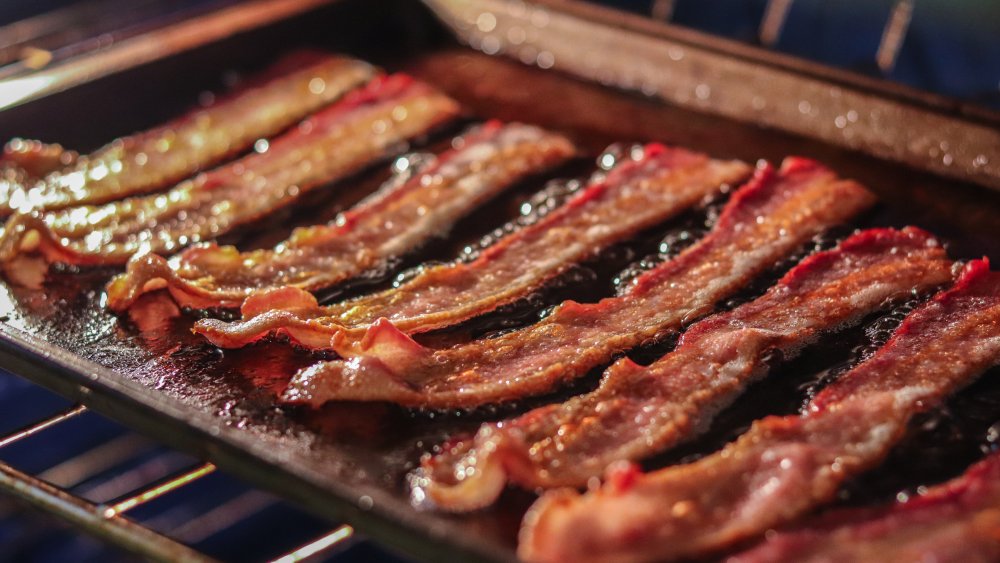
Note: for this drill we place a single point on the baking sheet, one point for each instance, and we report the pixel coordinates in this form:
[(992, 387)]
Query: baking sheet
[(348, 461)]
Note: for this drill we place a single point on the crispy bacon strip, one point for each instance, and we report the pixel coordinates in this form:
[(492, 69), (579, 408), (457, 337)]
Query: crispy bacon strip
[(638, 411), (393, 221), (24, 160), (636, 194), (955, 521), (171, 152), (342, 139), (783, 466), (765, 220)]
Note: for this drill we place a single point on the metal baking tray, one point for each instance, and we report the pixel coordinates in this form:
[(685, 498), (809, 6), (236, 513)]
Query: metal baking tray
[(597, 75)]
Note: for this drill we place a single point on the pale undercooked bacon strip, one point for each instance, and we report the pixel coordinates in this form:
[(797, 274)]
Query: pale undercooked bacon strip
[(783, 466), (956, 521), (635, 194), (171, 152), (764, 221), (393, 221), (639, 411), (342, 139)]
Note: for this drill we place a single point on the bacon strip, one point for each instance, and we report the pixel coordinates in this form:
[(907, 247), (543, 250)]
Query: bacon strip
[(365, 126), (24, 160), (171, 152), (764, 221), (639, 411), (956, 521), (783, 466), (636, 194), (395, 220)]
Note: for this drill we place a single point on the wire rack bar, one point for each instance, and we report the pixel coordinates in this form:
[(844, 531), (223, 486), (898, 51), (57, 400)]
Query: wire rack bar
[(106, 521), (102, 521), (893, 35), (775, 14), (42, 425), (100, 458), (158, 490), (94, 519), (318, 546)]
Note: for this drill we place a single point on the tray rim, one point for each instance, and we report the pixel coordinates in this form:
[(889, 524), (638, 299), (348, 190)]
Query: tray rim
[(758, 54), (908, 129), (171, 39)]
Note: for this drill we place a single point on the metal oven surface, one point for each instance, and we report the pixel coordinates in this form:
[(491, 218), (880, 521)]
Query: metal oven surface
[(348, 461)]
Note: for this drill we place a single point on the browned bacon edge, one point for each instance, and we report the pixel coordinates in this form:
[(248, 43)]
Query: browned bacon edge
[(25, 160), (393, 221), (955, 521), (782, 467), (764, 221), (171, 152), (335, 142), (639, 411), (637, 193)]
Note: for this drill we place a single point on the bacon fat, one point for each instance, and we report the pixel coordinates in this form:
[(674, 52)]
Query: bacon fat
[(783, 466), (393, 221), (763, 222), (166, 154), (364, 126), (636, 194), (639, 411)]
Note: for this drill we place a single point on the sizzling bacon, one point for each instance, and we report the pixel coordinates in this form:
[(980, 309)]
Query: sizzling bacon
[(636, 194), (637, 412), (955, 521), (343, 138), (764, 221), (169, 153), (393, 221), (26, 160), (783, 466)]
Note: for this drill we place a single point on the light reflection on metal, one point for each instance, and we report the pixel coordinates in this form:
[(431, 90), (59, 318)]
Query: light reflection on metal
[(152, 46), (39, 426), (91, 518), (17, 90), (773, 21), (159, 490), (35, 58), (335, 537), (893, 35), (663, 10), (91, 462)]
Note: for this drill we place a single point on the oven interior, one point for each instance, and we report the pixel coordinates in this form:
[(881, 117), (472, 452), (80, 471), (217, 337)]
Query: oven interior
[(347, 462)]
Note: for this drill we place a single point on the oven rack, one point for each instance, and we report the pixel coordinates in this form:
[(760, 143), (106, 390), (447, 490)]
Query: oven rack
[(776, 15), (110, 520)]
